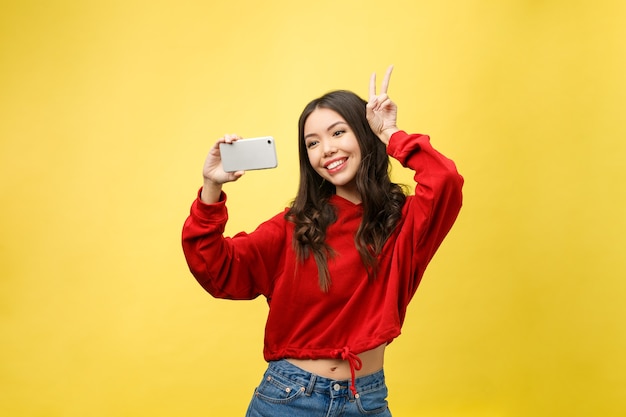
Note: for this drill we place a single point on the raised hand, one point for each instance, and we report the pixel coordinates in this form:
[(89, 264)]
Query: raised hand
[(380, 110), (213, 171)]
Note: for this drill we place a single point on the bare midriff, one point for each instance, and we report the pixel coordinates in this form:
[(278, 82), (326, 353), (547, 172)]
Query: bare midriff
[(339, 369)]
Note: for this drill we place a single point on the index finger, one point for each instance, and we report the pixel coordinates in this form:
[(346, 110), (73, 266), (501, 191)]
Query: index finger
[(385, 86), (373, 85)]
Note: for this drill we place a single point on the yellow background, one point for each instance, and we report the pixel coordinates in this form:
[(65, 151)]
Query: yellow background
[(107, 110)]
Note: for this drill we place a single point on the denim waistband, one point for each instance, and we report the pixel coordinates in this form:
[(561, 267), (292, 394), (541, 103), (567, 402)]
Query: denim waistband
[(313, 382)]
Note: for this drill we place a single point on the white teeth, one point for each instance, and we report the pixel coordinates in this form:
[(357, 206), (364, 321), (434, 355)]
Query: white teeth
[(335, 164)]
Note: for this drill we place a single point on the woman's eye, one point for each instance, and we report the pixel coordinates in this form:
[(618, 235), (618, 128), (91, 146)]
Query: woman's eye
[(339, 132), (311, 144)]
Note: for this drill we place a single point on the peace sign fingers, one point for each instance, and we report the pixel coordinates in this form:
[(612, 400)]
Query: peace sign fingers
[(381, 112), (385, 85)]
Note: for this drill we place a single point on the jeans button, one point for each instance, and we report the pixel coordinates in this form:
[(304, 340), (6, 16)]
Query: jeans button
[(336, 387)]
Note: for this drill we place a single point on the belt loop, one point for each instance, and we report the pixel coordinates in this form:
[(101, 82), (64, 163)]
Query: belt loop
[(309, 388)]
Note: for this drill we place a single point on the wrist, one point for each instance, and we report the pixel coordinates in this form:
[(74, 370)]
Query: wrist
[(386, 134), (211, 192)]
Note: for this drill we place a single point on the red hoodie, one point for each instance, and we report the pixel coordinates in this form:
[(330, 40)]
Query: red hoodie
[(355, 315)]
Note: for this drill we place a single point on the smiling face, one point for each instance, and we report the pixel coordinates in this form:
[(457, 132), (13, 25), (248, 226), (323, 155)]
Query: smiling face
[(333, 151)]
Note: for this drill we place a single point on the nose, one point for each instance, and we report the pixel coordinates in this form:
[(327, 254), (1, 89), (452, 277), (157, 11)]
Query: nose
[(329, 147)]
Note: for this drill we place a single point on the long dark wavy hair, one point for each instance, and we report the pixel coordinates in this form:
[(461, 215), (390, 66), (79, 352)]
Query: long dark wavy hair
[(382, 200)]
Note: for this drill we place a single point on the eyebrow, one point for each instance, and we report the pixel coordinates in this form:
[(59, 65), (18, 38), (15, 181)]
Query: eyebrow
[(327, 129)]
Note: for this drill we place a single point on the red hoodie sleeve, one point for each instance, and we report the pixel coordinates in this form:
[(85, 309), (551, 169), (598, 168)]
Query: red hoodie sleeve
[(431, 212), (242, 267)]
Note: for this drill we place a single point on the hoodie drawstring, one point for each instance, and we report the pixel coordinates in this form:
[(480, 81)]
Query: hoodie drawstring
[(355, 365)]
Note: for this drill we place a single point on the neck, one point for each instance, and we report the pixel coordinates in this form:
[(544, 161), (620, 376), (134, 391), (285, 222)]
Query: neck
[(351, 194)]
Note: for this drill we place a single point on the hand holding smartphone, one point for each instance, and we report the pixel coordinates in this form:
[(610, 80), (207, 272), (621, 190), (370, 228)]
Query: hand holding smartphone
[(249, 154)]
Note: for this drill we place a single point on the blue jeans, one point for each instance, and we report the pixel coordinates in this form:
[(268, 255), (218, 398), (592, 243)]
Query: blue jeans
[(288, 391)]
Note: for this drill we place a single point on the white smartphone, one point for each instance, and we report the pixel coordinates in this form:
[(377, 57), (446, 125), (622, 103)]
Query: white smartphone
[(249, 154)]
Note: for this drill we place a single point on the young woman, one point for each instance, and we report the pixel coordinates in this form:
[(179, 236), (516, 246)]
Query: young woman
[(338, 267)]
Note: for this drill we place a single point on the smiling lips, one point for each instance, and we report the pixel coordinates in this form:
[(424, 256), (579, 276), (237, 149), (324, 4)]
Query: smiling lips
[(335, 164)]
